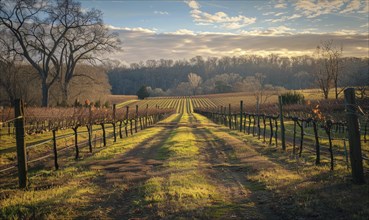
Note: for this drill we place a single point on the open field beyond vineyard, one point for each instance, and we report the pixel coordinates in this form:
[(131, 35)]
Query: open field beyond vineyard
[(165, 160)]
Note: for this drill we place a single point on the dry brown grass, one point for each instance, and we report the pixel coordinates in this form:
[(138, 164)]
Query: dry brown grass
[(116, 99)]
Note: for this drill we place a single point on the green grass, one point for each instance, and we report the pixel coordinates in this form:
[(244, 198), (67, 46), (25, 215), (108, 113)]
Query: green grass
[(301, 182), (186, 188), (53, 194)]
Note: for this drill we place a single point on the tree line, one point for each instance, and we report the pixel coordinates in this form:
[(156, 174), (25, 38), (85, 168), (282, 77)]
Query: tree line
[(326, 69)]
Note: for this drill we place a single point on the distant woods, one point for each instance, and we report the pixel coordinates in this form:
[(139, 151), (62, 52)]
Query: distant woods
[(49, 44), (200, 75)]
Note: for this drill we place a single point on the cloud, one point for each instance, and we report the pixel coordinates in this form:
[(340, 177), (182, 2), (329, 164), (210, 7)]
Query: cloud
[(365, 25), (143, 45), (273, 31), (182, 32), (351, 6), (161, 12), (193, 4), (218, 19), (312, 9), (284, 18), (315, 8), (280, 4), (279, 14), (365, 8), (136, 29)]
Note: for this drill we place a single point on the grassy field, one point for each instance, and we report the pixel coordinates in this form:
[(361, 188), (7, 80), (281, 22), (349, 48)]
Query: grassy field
[(184, 167)]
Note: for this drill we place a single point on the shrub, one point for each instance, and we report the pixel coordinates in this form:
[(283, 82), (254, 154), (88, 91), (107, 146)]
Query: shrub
[(289, 98), (142, 92)]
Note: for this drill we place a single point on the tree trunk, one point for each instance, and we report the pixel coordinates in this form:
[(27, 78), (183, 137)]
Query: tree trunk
[(326, 94), (65, 94), (45, 94)]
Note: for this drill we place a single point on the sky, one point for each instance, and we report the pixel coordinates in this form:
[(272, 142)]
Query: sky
[(172, 29)]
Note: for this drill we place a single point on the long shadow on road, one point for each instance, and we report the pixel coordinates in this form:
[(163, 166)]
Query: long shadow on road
[(121, 177)]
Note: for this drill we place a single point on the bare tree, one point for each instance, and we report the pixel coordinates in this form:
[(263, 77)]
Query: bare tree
[(261, 91), (328, 67), (53, 36), (8, 68), (82, 44), (195, 81)]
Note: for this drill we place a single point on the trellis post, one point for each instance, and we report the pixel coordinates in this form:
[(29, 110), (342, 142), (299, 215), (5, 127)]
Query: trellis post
[(354, 137), (283, 136), (21, 146)]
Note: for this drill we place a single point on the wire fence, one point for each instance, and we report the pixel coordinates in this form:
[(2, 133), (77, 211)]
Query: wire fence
[(43, 149), (320, 130)]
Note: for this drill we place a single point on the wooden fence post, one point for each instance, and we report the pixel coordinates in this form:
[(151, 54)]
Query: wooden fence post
[(104, 133), (229, 117), (55, 151), (126, 122), (21, 146), (283, 136), (89, 129), (294, 135), (259, 130), (114, 118), (146, 112), (136, 117), (76, 141), (317, 145), (271, 130), (354, 137), (241, 114)]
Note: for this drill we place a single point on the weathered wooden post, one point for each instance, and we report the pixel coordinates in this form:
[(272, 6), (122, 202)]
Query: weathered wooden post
[(354, 137), (229, 117), (294, 135), (136, 117), (241, 114), (224, 116), (283, 136), (120, 129), (89, 128), (75, 130), (258, 124), (328, 128), (21, 146), (126, 122), (276, 131), (55, 151), (104, 133), (147, 107), (271, 130), (264, 128), (317, 145), (301, 125), (114, 122)]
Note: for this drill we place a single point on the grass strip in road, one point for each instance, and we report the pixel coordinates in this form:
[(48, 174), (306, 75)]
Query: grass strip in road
[(185, 191)]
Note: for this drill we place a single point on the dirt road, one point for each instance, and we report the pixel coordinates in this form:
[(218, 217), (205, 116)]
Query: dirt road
[(189, 170)]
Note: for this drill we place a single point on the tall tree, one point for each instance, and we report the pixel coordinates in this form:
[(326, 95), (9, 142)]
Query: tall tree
[(8, 68), (83, 44), (329, 67), (53, 36), (195, 81), (143, 93)]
